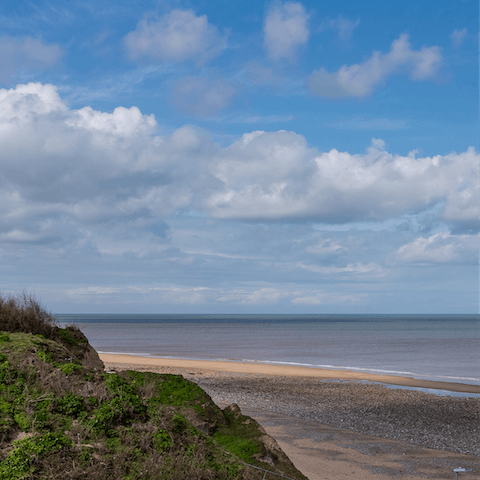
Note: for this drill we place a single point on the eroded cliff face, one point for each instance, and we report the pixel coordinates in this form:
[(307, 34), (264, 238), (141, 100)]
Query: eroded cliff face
[(269, 452), (76, 342)]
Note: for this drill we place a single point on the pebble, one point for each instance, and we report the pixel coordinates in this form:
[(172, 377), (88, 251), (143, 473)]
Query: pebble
[(428, 420)]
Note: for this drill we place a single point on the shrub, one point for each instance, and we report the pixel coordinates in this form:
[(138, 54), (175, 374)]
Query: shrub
[(68, 368), (4, 337), (18, 463), (22, 420), (66, 335), (23, 313), (45, 356), (162, 440), (71, 405), (179, 423)]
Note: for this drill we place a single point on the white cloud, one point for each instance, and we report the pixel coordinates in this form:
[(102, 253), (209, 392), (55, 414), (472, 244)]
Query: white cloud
[(17, 56), (458, 36), (85, 167), (23, 102), (106, 179), (360, 80), (201, 96), (441, 247), (176, 37), (344, 26), (123, 122), (274, 176), (285, 29)]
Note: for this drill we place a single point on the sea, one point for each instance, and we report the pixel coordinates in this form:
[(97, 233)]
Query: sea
[(434, 347)]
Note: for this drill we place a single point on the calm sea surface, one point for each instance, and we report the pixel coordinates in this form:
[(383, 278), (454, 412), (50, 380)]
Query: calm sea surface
[(441, 347)]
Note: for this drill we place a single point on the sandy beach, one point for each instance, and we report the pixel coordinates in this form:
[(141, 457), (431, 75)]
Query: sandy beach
[(334, 427), (286, 370)]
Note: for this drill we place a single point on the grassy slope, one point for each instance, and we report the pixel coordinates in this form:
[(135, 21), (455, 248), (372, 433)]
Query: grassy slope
[(62, 418)]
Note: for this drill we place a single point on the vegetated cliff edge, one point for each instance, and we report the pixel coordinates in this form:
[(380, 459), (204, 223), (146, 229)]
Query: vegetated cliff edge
[(62, 416)]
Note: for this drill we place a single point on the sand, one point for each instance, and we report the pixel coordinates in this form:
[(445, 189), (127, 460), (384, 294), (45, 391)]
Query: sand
[(285, 370), (285, 401)]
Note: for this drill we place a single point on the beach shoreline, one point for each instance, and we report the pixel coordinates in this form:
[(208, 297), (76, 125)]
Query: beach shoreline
[(235, 367), (332, 425)]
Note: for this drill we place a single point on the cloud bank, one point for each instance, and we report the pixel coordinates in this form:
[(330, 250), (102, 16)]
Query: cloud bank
[(68, 173), (107, 193), (276, 176)]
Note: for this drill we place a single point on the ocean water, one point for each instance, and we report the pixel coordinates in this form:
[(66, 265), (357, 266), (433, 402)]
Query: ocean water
[(440, 347)]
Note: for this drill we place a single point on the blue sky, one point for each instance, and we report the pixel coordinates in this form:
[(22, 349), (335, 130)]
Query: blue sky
[(240, 157)]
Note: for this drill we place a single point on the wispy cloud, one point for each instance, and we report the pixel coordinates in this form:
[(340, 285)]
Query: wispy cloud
[(111, 86), (26, 54), (458, 36), (361, 79), (442, 247), (344, 26)]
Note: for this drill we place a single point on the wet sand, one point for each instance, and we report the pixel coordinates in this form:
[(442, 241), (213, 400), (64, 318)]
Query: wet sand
[(322, 452), (334, 428)]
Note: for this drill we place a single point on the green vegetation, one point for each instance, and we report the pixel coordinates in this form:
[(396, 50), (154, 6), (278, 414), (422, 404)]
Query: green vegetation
[(18, 464), (60, 414)]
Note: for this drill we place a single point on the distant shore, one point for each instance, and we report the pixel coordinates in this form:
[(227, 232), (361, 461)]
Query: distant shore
[(287, 371)]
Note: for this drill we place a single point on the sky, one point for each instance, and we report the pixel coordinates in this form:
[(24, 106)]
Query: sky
[(239, 156)]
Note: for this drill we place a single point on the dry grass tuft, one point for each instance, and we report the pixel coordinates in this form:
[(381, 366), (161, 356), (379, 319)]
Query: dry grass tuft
[(23, 313)]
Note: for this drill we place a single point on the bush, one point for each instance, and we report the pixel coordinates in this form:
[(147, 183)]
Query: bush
[(68, 368), (23, 313), (162, 440), (66, 336), (71, 405), (4, 337), (18, 463)]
